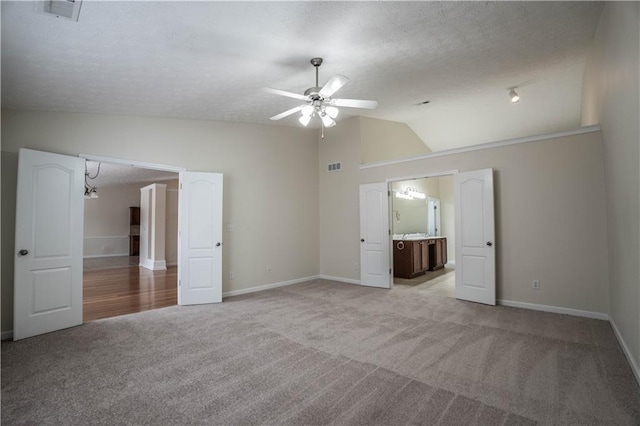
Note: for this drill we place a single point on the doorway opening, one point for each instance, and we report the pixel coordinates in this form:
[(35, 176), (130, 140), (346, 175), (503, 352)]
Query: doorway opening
[(120, 224), (423, 234)]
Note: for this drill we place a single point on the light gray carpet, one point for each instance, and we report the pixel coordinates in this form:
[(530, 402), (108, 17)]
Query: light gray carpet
[(324, 353)]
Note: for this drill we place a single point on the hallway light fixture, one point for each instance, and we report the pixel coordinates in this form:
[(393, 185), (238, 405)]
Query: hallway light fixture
[(513, 95), (89, 190)]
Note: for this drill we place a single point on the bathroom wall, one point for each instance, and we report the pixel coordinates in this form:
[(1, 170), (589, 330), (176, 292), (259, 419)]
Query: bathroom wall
[(447, 213)]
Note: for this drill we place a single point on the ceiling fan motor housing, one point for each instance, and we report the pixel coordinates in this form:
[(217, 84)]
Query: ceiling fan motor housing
[(313, 93)]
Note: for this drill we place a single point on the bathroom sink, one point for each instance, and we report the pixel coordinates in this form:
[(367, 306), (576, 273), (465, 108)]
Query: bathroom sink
[(409, 237)]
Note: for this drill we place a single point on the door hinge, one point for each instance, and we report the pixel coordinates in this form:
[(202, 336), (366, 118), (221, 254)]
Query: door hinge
[(179, 283), (388, 193), (180, 186), (389, 271), (389, 231)]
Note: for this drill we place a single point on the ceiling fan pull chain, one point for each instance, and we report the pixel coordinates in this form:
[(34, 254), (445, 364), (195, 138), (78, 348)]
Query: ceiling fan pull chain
[(321, 129)]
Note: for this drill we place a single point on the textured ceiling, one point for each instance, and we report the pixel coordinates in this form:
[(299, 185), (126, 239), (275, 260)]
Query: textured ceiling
[(209, 60), (114, 174)]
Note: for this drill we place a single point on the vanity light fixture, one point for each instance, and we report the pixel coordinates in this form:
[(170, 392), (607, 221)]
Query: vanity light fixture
[(403, 195), (415, 193), (513, 95), (410, 194)]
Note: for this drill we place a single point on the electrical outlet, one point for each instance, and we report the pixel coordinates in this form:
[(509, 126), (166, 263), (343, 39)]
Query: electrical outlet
[(230, 227), (231, 275), (356, 266), (535, 284)]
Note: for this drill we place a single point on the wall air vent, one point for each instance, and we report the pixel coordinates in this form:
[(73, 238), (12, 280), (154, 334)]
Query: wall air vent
[(65, 9), (334, 167)]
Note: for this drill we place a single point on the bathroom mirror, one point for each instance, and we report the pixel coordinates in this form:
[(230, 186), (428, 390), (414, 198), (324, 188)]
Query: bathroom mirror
[(422, 206)]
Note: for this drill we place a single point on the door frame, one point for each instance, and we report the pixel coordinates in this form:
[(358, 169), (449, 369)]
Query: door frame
[(400, 179), (437, 219), (141, 165)]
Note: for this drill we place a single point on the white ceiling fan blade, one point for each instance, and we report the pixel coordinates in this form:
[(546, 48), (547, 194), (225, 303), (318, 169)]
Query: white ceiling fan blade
[(286, 113), (333, 85), (285, 93), (354, 103)]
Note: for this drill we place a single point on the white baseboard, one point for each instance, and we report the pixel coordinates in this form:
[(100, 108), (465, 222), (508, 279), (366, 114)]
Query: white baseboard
[(627, 352), (93, 256), (6, 335), (342, 280), (268, 286), (153, 265), (554, 309)]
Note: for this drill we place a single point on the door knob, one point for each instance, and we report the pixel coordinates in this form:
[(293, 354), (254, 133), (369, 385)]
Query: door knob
[(218, 244), (362, 240), (23, 252), (489, 243)]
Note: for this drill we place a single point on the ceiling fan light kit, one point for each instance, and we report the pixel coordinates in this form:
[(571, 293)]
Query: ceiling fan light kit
[(319, 101)]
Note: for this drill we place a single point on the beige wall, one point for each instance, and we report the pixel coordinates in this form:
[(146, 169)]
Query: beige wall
[(270, 182), (611, 98), (548, 223), (106, 220), (171, 234), (384, 140)]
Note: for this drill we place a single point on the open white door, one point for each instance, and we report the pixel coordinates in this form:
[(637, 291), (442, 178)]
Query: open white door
[(374, 235), (48, 251), (475, 248), (200, 238)]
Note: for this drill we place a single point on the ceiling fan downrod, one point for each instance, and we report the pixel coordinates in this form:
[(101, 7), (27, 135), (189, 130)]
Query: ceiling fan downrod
[(316, 62)]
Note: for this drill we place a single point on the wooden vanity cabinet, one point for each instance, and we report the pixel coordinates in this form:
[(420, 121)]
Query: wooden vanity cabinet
[(414, 257), (438, 254), (410, 258)]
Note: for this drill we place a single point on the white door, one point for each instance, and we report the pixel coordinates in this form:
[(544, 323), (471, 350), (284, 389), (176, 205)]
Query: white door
[(48, 251), (374, 235), (200, 235), (433, 209), (475, 243)]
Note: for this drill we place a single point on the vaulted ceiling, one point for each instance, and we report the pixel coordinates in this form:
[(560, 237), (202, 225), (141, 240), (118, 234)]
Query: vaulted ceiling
[(210, 60)]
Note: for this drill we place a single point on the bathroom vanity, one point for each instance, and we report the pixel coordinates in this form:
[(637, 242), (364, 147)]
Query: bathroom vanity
[(415, 256)]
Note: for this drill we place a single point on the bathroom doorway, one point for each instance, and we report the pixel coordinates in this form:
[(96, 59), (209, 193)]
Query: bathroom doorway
[(423, 234)]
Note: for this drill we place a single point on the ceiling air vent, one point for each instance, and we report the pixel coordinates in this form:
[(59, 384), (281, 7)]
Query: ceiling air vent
[(66, 9), (334, 167)]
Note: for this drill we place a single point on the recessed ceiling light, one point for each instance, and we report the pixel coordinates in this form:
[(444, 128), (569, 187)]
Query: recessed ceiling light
[(513, 95)]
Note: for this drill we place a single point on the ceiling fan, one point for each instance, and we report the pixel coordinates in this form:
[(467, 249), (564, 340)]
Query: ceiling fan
[(318, 101)]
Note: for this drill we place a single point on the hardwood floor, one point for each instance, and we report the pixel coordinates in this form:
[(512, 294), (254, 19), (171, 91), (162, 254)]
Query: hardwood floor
[(126, 290)]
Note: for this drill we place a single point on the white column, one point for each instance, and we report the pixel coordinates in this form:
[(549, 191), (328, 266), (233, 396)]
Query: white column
[(153, 199)]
